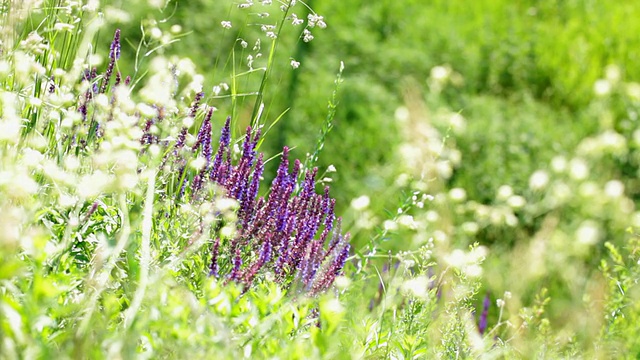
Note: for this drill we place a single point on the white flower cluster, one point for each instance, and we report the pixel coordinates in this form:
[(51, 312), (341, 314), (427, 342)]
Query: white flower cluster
[(468, 262)]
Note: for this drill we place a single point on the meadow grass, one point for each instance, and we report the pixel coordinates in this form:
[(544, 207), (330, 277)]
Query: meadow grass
[(131, 229)]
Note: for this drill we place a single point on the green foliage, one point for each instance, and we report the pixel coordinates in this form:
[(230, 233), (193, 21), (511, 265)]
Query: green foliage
[(508, 130), (621, 271)]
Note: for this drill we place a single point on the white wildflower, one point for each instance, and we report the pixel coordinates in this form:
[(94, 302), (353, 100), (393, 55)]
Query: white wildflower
[(246, 5), (470, 228), (440, 73), (538, 180), (226, 204), (473, 270), (67, 201), (250, 61), (402, 114), (516, 202), (63, 27), (602, 87), (306, 35), (157, 3), (94, 184), (198, 163), (588, 233), (407, 221), (188, 121), (295, 20), (267, 28), (440, 236), (457, 258), (510, 219), (504, 192), (390, 225), (316, 20), (418, 287), (614, 189), (458, 123), (360, 203), (458, 194), (115, 15), (91, 5), (444, 169), (432, 216), (32, 157), (578, 169), (228, 231), (155, 33), (342, 282)]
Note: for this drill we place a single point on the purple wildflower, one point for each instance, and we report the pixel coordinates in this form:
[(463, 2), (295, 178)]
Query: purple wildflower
[(195, 104), (333, 270), (237, 263), (180, 141), (204, 137), (285, 232), (265, 255), (218, 170), (92, 209), (247, 210), (215, 267), (240, 179), (482, 321), (183, 184), (114, 54), (52, 86), (147, 138)]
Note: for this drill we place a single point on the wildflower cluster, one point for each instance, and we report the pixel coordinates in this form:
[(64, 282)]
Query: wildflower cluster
[(283, 233), (291, 233)]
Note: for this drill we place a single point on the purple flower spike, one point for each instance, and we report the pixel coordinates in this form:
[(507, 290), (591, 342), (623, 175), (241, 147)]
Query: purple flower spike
[(118, 79), (334, 268), (482, 322), (237, 263), (214, 268), (292, 232), (114, 52), (195, 104), (248, 210), (265, 255), (218, 169)]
